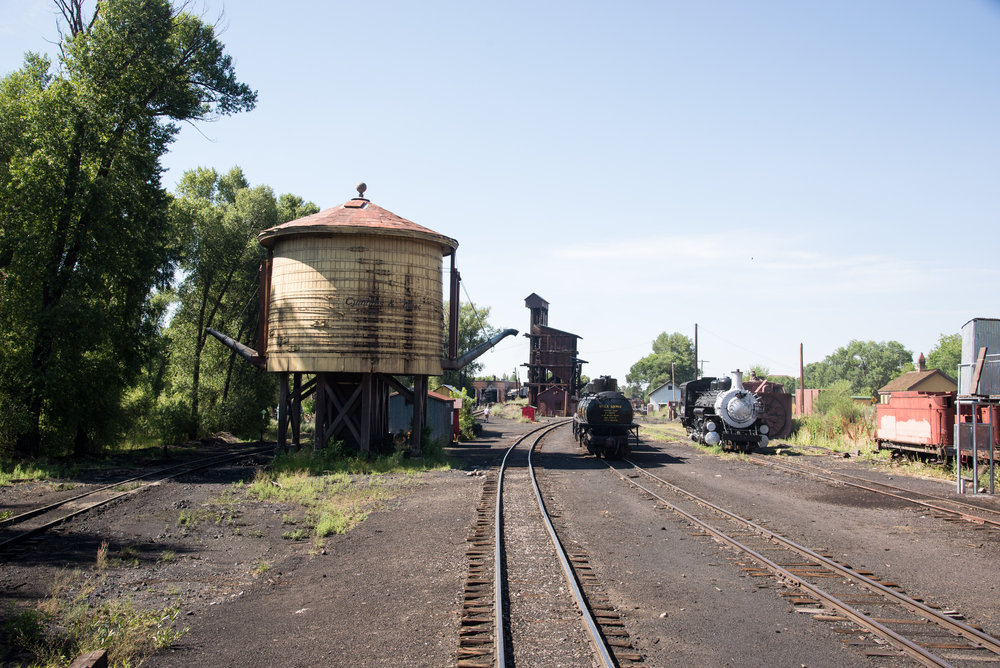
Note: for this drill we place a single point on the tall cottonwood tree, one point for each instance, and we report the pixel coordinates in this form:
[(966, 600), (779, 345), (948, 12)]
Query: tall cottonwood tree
[(84, 235), (672, 353), (221, 216), (946, 354), (865, 365)]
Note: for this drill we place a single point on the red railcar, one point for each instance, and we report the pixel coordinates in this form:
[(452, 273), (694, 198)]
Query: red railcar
[(924, 422)]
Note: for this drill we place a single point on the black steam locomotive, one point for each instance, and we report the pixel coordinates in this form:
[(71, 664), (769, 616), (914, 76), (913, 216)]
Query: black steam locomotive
[(719, 411), (603, 420)]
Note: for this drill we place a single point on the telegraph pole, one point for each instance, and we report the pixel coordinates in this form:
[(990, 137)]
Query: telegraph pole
[(696, 351), (802, 384)]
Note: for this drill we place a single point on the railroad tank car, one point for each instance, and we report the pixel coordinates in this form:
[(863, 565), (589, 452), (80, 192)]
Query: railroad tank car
[(603, 420), (719, 411)]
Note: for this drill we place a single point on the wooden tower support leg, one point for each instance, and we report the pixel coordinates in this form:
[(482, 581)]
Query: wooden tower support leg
[(419, 414), (322, 411), (296, 409), (282, 412), (367, 399)]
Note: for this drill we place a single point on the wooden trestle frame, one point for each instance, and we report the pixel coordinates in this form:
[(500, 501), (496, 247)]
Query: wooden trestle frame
[(350, 407)]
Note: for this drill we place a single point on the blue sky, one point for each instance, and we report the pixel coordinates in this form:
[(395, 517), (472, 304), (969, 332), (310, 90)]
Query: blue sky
[(779, 172)]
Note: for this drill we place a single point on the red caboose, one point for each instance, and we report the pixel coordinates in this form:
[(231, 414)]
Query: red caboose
[(917, 422)]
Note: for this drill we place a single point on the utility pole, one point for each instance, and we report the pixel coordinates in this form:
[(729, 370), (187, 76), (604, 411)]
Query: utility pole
[(696, 351), (672, 411), (802, 384)]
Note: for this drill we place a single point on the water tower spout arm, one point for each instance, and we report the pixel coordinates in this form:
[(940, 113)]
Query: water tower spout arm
[(455, 364), (246, 352)]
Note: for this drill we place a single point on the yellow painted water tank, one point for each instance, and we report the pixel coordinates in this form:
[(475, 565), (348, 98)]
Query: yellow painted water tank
[(355, 289)]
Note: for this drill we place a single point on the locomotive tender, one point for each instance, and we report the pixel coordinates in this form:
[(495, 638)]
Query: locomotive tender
[(603, 420), (719, 411)]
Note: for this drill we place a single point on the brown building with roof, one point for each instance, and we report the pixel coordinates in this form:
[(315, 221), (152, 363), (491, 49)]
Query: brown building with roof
[(552, 360), (922, 380)]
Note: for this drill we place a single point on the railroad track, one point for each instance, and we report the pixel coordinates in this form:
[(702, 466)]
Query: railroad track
[(534, 579), (875, 614), (942, 506), (17, 530)]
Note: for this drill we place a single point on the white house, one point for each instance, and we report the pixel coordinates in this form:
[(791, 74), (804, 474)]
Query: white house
[(664, 395)]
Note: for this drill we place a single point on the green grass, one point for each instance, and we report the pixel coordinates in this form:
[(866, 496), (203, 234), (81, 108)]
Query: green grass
[(329, 504), (663, 431), (336, 460), (190, 518), (334, 492), (15, 472), (55, 630)]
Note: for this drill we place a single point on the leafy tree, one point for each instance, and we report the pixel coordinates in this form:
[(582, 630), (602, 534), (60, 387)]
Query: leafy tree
[(292, 207), (946, 354), (866, 365), (222, 216), (653, 370), (836, 402), (84, 235), (474, 329), (789, 382), (759, 370)]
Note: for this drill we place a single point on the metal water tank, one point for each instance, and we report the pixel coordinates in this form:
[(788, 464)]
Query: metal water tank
[(355, 289)]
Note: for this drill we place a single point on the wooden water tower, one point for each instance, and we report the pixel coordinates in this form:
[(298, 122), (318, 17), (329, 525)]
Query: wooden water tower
[(352, 297)]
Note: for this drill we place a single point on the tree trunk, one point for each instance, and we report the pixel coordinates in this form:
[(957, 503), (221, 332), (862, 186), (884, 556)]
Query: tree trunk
[(196, 374)]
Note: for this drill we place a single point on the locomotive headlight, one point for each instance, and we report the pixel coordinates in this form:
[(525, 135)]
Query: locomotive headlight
[(763, 429), (713, 438)]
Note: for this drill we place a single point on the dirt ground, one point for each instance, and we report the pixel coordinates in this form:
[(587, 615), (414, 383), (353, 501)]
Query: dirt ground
[(387, 593)]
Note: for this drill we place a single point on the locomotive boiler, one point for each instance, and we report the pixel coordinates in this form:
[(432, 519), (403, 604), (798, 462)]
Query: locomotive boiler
[(603, 420), (719, 411)]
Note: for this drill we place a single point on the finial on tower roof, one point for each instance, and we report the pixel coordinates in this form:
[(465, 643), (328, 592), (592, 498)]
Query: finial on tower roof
[(361, 188)]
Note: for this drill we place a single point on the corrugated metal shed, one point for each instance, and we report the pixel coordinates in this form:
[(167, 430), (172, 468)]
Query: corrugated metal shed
[(976, 334), (440, 416)]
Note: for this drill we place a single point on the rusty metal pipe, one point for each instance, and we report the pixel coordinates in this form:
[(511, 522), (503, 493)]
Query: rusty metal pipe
[(455, 364), (246, 352), (453, 310)]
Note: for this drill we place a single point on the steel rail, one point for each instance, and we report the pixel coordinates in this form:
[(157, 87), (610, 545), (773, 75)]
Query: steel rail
[(596, 639), (593, 630), (178, 470), (498, 625), (901, 643), (987, 641), (17, 519), (835, 476)]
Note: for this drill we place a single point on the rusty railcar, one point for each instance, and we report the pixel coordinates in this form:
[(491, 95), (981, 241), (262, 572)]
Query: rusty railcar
[(924, 423), (776, 406)]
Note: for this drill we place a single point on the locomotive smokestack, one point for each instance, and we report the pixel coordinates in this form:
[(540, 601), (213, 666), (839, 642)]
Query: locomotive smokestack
[(737, 377)]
